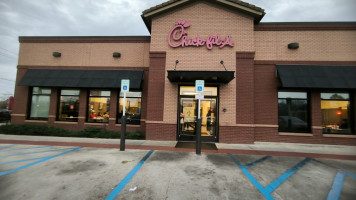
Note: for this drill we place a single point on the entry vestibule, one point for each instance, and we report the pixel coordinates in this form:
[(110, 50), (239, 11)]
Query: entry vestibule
[(188, 112)]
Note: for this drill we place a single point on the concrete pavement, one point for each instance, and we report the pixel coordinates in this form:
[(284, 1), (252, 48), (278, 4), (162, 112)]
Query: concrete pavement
[(258, 148), (70, 172)]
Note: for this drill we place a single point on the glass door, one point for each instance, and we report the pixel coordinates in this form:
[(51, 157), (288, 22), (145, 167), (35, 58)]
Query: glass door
[(208, 115), (188, 116), (188, 111)]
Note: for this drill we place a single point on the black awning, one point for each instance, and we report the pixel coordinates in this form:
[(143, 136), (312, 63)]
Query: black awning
[(309, 76), (81, 78), (207, 76)]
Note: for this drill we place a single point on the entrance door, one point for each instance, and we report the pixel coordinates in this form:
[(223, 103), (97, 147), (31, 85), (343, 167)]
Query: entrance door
[(188, 111)]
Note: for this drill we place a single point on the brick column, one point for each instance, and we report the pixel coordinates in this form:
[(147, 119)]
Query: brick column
[(113, 109), (245, 97), (83, 106), (53, 106), (315, 108), (155, 97), (353, 101), (21, 99)]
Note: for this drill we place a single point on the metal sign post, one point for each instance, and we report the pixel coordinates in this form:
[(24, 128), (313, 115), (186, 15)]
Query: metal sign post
[(125, 86), (199, 88)]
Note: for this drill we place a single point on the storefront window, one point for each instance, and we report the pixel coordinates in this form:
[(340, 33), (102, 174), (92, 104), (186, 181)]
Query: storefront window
[(99, 106), (190, 90), (40, 103), (132, 107), (335, 110), (68, 105), (293, 114)]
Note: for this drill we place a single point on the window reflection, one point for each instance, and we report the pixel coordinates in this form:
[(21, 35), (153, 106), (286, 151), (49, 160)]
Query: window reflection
[(99, 106), (132, 107), (69, 105), (335, 109), (40, 103), (293, 112)]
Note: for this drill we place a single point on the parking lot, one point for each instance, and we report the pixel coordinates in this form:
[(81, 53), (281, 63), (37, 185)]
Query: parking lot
[(57, 172)]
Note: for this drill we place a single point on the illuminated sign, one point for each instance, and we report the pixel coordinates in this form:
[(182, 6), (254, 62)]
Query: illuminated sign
[(178, 37)]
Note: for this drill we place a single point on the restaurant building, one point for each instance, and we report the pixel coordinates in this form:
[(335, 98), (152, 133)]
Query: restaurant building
[(264, 82)]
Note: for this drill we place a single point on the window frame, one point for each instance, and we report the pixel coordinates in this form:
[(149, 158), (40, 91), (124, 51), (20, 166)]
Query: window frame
[(308, 121), (30, 96), (352, 110), (118, 107), (88, 104), (59, 92)]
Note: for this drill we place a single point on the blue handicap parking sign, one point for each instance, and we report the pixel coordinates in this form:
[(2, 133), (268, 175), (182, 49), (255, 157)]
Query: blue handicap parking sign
[(200, 88), (125, 87)]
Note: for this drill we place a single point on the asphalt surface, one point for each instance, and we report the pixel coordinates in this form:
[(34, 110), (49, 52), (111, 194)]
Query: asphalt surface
[(73, 172)]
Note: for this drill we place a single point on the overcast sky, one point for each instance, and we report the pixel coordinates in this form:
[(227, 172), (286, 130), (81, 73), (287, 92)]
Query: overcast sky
[(122, 17)]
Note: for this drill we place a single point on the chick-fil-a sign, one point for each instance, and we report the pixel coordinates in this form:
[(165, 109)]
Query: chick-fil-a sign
[(178, 37)]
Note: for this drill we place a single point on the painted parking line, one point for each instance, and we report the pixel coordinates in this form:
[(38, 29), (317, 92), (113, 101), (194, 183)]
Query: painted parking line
[(336, 188), (24, 148), (251, 178), (281, 179), (17, 161), (128, 177), (352, 175), (40, 161), (7, 146), (36, 152), (266, 191), (257, 161)]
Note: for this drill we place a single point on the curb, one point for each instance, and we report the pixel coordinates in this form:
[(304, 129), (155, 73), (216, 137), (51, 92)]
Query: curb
[(165, 148)]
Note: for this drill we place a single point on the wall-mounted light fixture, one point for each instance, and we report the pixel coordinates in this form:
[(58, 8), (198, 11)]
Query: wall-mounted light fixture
[(57, 54), (294, 45), (175, 66), (116, 55), (222, 63)]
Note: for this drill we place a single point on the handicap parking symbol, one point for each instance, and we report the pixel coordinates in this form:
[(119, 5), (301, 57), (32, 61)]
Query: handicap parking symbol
[(200, 88), (125, 87)]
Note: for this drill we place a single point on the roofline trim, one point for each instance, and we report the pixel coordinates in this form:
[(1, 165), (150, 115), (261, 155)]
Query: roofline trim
[(84, 39), (241, 7), (305, 26), (164, 8)]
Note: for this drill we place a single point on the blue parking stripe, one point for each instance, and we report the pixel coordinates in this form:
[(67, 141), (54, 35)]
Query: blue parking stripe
[(336, 188), (257, 161), (33, 152), (352, 175), (266, 194), (7, 146), (128, 177), (24, 148), (276, 183), (37, 162), (17, 161)]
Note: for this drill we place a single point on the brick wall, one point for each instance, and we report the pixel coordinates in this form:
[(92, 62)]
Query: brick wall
[(22, 98), (84, 54), (161, 131), (236, 134), (156, 86), (266, 94), (266, 109), (205, 19), (313, 45)]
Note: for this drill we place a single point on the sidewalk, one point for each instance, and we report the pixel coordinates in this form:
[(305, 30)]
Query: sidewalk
[(259, 148)]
